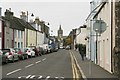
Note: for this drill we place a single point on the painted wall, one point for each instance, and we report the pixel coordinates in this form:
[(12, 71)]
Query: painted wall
[(31, 38), (8, 36), (80, 39), (104, 49), (40, 38), (19, 39)]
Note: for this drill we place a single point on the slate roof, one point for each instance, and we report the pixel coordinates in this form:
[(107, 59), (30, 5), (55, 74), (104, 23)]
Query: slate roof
[(19, 24)]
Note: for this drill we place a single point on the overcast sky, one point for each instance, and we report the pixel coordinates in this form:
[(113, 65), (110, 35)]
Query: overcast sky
[(70, 14)]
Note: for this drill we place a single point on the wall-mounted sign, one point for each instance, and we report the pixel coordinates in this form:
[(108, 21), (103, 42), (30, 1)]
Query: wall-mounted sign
[(99, 26)]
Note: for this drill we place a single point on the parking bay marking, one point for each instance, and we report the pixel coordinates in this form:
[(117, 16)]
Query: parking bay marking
[(38, 62), (13, 72), (29, 65), (44, 59)]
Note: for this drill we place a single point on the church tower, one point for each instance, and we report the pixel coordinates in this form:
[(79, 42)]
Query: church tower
[(60, 32)]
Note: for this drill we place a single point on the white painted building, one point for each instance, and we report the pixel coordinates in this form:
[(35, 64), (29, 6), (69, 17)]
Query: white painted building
[(19, 39), (101, 55), (104, 42), (80, 38)]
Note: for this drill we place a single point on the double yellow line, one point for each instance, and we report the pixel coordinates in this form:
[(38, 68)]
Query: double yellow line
[(74, 67)]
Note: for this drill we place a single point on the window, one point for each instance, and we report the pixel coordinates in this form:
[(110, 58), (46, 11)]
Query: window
[(15, 33), (15, 44), (18, 34), (21, 34), (21, 44), (18, 44)]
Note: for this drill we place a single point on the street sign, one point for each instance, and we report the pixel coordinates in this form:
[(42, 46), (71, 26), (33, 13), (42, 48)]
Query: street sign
[(99, 26)]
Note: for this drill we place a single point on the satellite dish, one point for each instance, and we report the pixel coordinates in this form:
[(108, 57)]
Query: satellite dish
[(99, 26)]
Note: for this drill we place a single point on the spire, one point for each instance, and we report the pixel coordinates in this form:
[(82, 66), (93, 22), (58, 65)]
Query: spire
[(60, 27)]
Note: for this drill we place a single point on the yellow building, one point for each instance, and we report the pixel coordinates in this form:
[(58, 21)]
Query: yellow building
[(31, 37)]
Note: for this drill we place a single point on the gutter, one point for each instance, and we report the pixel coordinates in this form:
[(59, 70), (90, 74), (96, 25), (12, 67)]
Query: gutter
[(98, 7)]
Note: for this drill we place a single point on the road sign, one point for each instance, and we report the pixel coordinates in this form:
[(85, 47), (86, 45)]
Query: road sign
[(99, 26)]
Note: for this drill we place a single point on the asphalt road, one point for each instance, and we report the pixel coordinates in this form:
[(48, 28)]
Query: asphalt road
[(54, 65)]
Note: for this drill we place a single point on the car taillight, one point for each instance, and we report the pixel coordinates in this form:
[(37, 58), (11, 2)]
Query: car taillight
[(10, 53), (19, 52)]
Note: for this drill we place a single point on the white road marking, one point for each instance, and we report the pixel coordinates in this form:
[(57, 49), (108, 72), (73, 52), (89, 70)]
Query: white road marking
[(62, 77), (44, 59), (29, 65), (47, 77), (56, 77), (13, 72), (39, 77), (38, 62), (28, 76), (32, 77), (21, 77)]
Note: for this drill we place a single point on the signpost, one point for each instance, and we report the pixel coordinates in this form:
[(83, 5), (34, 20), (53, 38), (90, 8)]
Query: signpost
[(99, 27)]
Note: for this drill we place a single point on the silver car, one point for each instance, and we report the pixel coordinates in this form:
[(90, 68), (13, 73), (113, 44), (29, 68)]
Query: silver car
[(11, 55)]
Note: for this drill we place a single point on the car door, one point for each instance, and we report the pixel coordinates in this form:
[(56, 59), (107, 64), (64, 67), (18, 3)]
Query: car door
[(14, 54)]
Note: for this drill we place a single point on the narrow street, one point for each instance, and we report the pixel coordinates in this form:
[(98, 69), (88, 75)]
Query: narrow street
[(59, 40), (56, 65)]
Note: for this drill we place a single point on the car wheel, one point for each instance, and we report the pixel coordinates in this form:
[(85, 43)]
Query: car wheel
[(23, 57), (13, 60), (27, 57), (6, 61)]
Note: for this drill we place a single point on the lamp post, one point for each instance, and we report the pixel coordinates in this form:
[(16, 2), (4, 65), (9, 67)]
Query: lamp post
[(27, 28)]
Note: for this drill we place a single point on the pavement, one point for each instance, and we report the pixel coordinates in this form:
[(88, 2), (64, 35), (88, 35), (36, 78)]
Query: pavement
[(90, 70)]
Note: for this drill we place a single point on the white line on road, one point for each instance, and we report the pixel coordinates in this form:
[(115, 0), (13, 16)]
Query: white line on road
[(32, 77), (62, 77), (44, 59), (28, 76), (38, 62), (29, 65), (39, 77), (21, 77), (56, 77), (13, 72), (47, 77)]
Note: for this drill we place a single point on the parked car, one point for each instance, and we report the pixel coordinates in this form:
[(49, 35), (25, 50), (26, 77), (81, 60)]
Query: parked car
[(42, 51), (21, 54), (56, 48), (50, 49), (35, 49), (11, 55), (45, 48), (30, 52), (3, 57)]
